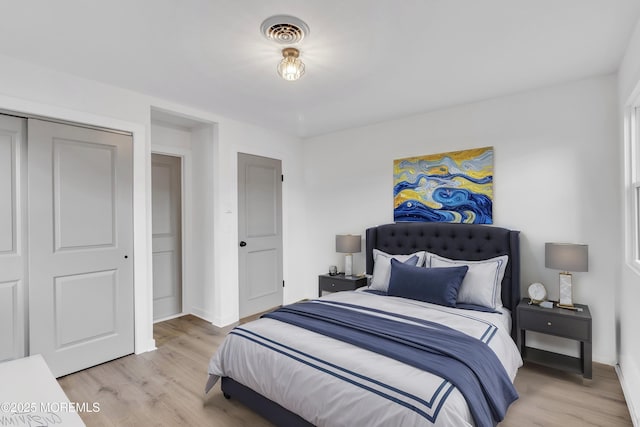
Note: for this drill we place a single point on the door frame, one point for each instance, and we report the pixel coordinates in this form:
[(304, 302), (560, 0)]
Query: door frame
[(185, 229)]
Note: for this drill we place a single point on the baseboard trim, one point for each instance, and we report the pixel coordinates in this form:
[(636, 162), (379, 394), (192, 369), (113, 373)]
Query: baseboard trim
[(151, 346), (173, 316), (202, 314), (629, 396), (221, 326)]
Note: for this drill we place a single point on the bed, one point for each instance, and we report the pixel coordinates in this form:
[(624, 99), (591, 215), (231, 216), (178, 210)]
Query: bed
[(302, 365)]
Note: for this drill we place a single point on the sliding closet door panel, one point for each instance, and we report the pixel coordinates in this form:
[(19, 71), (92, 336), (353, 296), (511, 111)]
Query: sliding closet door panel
[(12, 234), (8, 182), (81, 242), (12, 346)]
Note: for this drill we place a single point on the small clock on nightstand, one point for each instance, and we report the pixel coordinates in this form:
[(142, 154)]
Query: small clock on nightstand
[(537, 293)]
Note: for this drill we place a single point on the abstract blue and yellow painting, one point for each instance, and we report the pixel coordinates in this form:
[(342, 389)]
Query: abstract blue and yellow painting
[(447, 187)]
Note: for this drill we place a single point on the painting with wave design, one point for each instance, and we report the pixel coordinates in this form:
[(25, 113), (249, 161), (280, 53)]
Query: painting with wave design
[(447, 187)]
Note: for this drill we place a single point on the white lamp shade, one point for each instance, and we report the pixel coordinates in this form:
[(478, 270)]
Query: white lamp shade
[(348, 243), (566, 256)]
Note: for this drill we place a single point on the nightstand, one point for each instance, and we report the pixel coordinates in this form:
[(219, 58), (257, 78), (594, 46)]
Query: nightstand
[(339, 282), (571, 324)]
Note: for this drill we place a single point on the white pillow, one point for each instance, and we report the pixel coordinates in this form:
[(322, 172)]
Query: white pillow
[(482, 285), (382, 267)]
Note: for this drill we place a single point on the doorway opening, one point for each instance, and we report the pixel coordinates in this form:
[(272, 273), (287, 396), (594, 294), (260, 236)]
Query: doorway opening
[(166, 196), (182, 215)]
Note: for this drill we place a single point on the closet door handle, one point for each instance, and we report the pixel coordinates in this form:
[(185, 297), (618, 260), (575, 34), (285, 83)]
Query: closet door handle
[(243, 244)]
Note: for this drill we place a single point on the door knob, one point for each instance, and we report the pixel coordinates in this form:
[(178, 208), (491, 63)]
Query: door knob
[(243, 244)]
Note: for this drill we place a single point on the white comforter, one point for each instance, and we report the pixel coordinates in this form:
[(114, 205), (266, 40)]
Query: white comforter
[(332, 383)]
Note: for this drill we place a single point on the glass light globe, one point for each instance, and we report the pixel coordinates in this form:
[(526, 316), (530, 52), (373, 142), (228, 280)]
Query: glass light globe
[(291, 67)]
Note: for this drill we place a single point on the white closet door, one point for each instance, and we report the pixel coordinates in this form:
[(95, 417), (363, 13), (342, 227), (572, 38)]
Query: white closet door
[(12, 235), (167, 235), (80, 245)]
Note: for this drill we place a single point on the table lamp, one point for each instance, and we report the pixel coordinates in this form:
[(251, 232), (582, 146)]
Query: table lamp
[(566, 257), (348, 244)]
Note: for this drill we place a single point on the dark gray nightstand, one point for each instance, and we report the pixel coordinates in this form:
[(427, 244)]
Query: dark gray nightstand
[(575, 325), (339, 282)]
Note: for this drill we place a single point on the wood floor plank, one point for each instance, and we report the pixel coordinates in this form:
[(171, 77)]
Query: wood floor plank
[(166, 388), (553, 398)]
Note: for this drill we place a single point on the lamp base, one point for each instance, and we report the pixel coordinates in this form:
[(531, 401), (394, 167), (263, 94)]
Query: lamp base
[(348, 265), (569, 306), (565, 290)]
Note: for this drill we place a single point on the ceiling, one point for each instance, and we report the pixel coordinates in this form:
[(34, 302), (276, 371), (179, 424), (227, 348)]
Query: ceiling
[(366, 60)]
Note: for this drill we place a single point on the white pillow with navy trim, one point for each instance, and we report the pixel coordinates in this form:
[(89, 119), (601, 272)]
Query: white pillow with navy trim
[(382, 267), (482, 285)]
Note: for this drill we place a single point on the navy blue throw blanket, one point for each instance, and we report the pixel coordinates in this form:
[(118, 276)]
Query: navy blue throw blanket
[(468, 363)]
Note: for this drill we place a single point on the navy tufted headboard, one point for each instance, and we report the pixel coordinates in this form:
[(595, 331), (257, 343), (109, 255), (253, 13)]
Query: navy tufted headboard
[(456, 241)]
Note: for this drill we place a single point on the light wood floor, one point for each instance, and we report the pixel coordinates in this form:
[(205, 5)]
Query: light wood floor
[(165, 388)]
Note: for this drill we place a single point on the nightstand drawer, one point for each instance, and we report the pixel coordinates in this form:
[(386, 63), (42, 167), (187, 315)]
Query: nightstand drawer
[(335, 285), (562, 326), (340, 282)]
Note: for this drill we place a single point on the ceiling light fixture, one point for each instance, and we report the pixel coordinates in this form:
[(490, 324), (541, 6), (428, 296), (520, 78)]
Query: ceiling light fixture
[(291, 68), (286, 29)]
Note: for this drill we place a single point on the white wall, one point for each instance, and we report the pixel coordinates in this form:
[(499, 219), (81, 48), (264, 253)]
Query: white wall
[(268, 144), (629, 283), (556, 177), (168, 136), (32, 89)]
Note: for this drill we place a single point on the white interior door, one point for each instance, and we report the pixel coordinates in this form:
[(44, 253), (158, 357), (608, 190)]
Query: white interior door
[(80, 245), (167, 236), (260, 233), (12, 236)]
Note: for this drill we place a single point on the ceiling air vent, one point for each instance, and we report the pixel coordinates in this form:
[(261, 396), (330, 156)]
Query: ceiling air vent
[(284, 29)]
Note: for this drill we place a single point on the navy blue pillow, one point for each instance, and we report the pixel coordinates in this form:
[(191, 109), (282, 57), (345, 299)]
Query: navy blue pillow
[(437, 285), (411, 261)]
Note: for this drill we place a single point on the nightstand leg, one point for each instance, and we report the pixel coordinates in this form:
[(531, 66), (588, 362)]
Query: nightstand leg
[(522, 341), (585, 355)]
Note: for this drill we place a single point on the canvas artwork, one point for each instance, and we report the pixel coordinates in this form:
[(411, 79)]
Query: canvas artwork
[(447, 187)]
